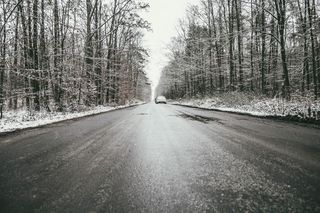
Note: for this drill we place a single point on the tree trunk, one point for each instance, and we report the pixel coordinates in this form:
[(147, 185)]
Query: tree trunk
[(281, 14), (36, 77), (313, 53), (57, 90), (3, 59), (26, 53), (231, 43), (15, 64), (44, 64), (263, 48), (240, 53), (110, 52)]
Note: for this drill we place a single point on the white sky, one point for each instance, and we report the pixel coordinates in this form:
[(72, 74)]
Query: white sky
[(164, 17)]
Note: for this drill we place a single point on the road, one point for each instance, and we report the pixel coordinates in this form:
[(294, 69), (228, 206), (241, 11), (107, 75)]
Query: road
[(162, 158)]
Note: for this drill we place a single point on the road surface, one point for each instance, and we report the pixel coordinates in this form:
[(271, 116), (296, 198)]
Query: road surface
[(162, 158)]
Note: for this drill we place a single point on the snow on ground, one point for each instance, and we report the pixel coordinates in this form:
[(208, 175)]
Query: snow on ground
[(300, 107), (22, 119)]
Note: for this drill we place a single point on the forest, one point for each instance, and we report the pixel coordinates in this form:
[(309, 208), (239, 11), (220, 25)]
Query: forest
[(268, 48), (62, 55)]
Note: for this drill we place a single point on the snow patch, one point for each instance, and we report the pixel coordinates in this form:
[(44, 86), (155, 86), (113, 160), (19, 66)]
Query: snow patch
[(22, 119), (299, 107)]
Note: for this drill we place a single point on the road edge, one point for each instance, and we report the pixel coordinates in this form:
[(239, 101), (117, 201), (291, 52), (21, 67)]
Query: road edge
[(4, 134), (287, 119)]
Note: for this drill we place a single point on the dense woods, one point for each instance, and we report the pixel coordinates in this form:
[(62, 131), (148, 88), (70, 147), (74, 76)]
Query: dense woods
[(58, 55), (270, 48)]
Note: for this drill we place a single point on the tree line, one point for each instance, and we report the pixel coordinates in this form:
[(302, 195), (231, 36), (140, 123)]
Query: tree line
[(58, 55), (268, 47)]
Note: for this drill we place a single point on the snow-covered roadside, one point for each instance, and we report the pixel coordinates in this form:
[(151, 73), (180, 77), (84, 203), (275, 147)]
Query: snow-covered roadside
[(298, 109), (16, 120)]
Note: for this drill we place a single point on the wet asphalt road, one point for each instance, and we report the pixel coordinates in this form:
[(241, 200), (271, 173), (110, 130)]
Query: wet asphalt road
[(162, 158)]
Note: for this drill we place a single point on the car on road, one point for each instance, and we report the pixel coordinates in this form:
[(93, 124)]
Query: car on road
[(161, 100)]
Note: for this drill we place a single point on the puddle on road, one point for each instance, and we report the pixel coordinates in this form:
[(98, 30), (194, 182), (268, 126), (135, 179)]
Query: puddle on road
[(199, 118), (143, 114)]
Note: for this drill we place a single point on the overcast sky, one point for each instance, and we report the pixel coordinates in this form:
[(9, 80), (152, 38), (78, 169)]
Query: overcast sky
[(164, 17)]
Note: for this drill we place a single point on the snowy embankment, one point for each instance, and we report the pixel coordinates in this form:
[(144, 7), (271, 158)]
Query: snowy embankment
[(297, 109), (22, 119)]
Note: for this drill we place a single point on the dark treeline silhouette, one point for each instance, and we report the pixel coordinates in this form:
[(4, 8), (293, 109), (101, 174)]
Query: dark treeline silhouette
[(61, 54), (255, 46)]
